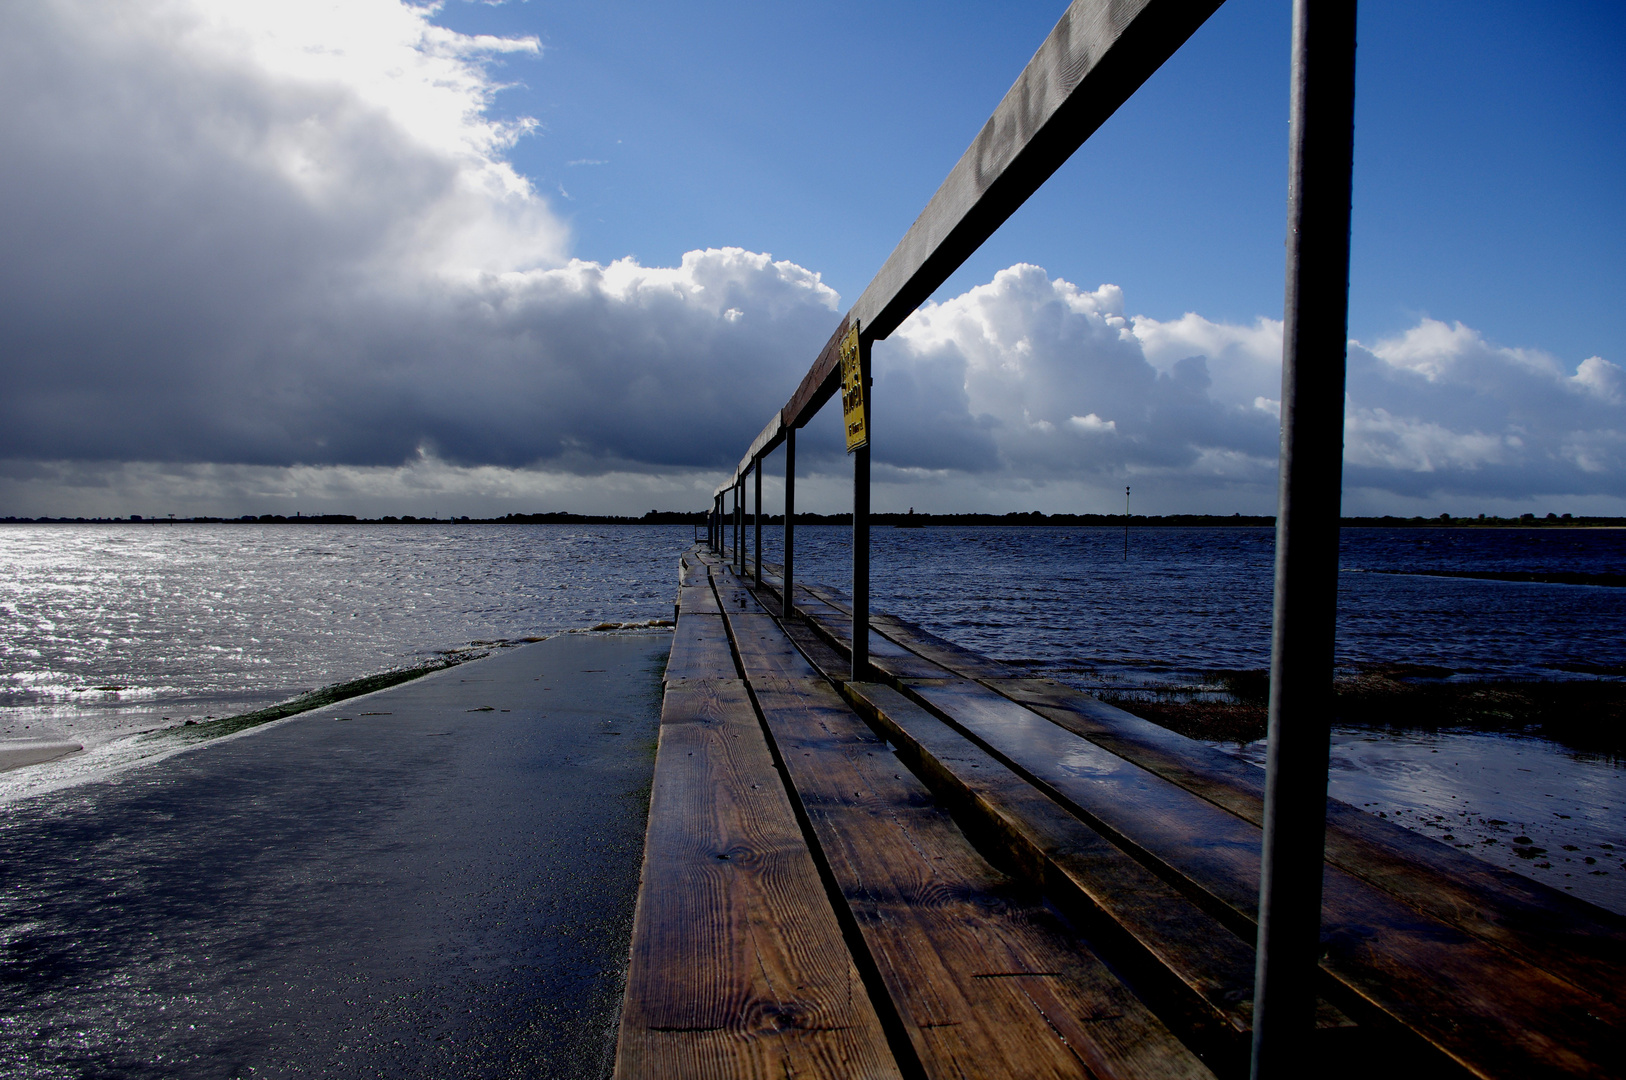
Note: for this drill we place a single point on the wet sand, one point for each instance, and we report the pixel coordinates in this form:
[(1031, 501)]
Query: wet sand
[(434, 880)]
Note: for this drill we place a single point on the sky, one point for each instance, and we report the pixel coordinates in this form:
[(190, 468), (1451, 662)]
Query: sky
[(377, 257)]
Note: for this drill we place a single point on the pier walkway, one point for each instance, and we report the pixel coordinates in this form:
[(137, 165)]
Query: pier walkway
[(431, 881), (955, 869)]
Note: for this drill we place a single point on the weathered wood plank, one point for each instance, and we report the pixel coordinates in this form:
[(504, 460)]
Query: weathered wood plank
[(946, 654), (738, 965), (986, 982), (1487, 1010), (830, 663), (1161, 928), (700, 649), (765, 651), (890, 658), (1098, 54), (820, 382), (697, 599), (1558, 933)]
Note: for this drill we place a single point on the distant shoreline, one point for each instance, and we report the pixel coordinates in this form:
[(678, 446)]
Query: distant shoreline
[(911, 520)]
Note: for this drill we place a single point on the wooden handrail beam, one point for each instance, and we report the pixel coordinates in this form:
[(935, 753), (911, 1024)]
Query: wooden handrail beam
[(1099, 53)]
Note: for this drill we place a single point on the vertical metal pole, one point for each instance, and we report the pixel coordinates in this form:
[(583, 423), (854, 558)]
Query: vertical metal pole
[(756, 521), (1322, 117), (861, 529), (787, 606), (739, 525)]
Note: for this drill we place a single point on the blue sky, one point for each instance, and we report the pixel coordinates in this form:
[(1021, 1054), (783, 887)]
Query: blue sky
[(1490, 156), (373, 257)]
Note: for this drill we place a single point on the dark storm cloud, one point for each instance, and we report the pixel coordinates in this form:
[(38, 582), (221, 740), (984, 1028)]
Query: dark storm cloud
[(284, 236)]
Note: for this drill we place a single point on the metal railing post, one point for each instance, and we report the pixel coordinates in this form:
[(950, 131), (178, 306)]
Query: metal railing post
[(739, 525), (756, 521), (1314, 338), (787, 606), (861, 528)]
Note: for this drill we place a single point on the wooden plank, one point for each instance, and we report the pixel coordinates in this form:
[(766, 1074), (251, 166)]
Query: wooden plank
[(985, 980), (738, 965), (765, 651), (771, 435), (700, 649), (891, 659), (960, 661), (1556, 932), (1152, 931), (820, 382), (697, 599), (1487, 1010), (1098, 54), (823, 656), (733, 596)]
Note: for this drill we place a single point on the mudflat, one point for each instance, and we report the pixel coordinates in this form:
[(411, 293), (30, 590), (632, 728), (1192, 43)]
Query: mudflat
[(434, 880)]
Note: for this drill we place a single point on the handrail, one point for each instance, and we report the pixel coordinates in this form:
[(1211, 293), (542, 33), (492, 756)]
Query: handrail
[(1100, 53)]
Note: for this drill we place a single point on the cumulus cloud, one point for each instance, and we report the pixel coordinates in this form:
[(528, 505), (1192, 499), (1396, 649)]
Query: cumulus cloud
[(283, 233), (271, 251)]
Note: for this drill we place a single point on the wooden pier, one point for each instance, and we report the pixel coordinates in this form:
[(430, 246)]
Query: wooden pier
[(955, 869), (872, 853)]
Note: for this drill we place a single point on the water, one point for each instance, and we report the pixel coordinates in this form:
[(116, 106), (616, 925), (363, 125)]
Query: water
[(196, 621), (1188, 601), (110, 631)]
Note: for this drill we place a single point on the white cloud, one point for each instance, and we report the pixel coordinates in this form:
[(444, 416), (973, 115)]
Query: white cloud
[(266, 250), (1093, 424)]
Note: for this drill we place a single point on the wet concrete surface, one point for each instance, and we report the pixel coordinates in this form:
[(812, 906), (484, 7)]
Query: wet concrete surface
[(442, 890)]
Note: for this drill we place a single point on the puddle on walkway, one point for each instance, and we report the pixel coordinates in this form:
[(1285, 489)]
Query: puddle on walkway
[(1526, 804)]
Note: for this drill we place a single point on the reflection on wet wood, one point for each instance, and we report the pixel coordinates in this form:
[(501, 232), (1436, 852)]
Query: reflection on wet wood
[(1024, 881), (738, 966)]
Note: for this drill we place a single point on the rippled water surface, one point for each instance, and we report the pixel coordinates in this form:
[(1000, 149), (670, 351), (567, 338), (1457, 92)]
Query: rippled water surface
[(110, 630), (1190, 600)]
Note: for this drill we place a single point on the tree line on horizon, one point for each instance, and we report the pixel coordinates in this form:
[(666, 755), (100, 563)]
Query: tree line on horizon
[(904, 520)]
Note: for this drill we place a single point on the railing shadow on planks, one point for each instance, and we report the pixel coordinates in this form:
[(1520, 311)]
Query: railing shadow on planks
[(792, 678)]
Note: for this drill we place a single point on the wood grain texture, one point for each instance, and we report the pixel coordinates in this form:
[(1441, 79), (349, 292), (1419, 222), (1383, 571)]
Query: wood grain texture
[(765, 651), (1547, 928), (738, 966), (697, 599), (700, 649), (986, 981), (1480, 1006), (1048, 845)]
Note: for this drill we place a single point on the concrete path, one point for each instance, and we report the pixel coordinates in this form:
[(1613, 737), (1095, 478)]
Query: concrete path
[(436, 891)]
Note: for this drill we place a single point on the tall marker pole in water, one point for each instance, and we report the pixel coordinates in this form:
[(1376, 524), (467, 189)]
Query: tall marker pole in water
[(1126, 523), (1314, 337)]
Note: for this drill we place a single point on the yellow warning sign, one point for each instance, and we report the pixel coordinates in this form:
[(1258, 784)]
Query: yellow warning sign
[(852, 393)]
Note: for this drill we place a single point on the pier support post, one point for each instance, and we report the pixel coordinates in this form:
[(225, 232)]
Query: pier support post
[(1322, 111), (756, 522), (787, 606), (861, 528), (739, 526)]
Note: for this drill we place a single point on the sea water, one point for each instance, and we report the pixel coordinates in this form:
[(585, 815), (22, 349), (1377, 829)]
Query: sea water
[(111, 631)]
